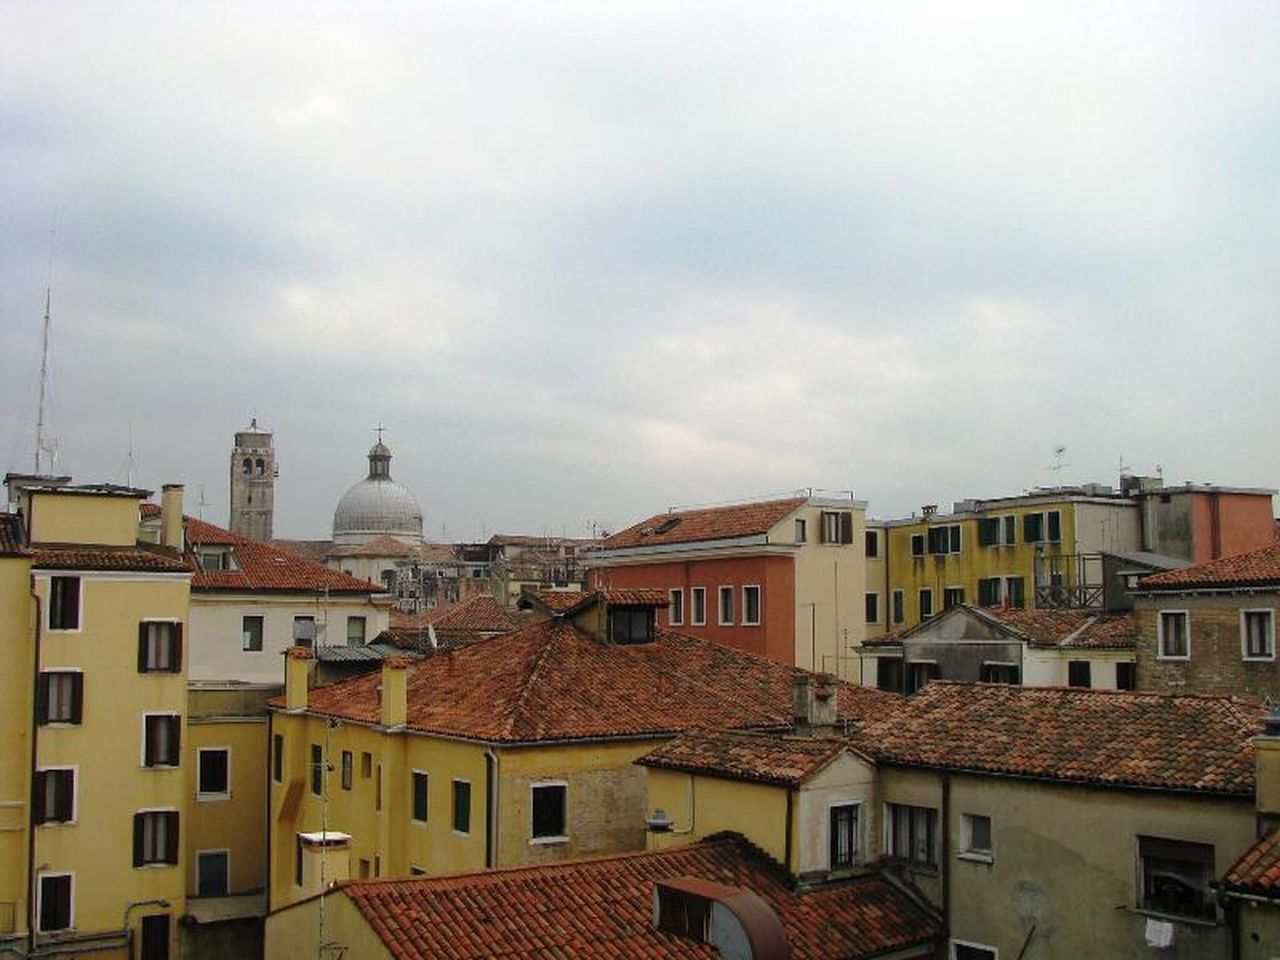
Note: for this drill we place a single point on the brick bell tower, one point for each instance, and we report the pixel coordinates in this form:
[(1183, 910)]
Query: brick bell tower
[(253, 483)]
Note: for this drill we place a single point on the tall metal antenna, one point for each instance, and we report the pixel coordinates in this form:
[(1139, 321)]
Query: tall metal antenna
[(43, 445), (129, 473)]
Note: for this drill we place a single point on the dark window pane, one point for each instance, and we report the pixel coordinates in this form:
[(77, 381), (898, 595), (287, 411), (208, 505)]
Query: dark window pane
[(549, 811)]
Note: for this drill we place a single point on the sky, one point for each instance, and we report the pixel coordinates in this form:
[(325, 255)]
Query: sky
[(589, 261)]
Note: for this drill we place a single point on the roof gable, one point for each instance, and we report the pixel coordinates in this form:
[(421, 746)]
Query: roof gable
[(264, 567), (713, 523)]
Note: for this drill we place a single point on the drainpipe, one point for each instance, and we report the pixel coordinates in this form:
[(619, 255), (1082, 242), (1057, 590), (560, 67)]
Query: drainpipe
[(945, 865), (492, 770), (35, 759), (786, 862)]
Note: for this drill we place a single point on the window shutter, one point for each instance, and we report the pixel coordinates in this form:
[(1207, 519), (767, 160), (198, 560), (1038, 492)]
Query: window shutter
[(39, 783), (139, 830), (955, 539), (1055, 526), (142, 648), (42, 699), (66, 785), (846, 528), (149, 741), (77, 698), (822, 528), (175, 745), (171, 837), (177, 648)]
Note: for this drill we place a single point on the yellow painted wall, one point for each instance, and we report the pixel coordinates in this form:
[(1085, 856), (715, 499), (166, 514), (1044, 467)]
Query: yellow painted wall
[(295, 933), (16, 620), (83, 518), (238, 822), (701, 805)]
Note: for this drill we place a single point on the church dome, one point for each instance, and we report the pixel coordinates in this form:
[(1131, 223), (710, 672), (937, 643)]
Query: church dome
[(377, 506)]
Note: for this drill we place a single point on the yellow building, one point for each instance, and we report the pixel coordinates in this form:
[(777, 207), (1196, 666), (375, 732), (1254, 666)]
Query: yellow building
[(514, 750), (94, 723)]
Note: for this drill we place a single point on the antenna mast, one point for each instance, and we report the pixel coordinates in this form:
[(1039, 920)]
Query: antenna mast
[(44, 377)]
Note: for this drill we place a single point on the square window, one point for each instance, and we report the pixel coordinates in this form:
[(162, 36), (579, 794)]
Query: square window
[(55, 902), (53, 797), (1176, 877), (1079, 673), (549, 802), (989, 532), (346, 769), (975, 833), (919, 673), (889, 674), (161, 736), (155, 837), (213, 772), (61, 696), (251, 634), (698, 602), (1033, 527), (64, 603), (989, 592), (871, 607), (159, 646), (317, 770), (913, 834), (751, 606), (1173, 641), (675, 608), (212, 873), (726, 606), (630, 624), (1000, 673), (844, 836), (419, 796), (1258, 634), (355, 631), (917, 544), (461, 806)]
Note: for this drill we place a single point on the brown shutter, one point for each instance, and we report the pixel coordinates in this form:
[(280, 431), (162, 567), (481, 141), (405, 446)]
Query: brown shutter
[(42, 699), (175, 749), (142, 648), (38, 785), (65, 799), (139, 828), (822, 528), (77, 698), (846, 528), (149, 741), (171, 837), (177, 648)]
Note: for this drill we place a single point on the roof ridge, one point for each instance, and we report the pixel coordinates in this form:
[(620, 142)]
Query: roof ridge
[(526, 688)]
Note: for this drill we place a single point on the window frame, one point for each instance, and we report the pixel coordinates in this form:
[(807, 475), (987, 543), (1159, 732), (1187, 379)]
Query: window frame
[(899, 605), (563, 836), (363, 621), (154, 764), (1009, 595), (871, 606), (801, 530), (454, 808), (954, 954), (1133, 674), (675, 607), (931, 835), (38, 816), (1209, 912), (1270, 635), (871, 544), (44, 690), (78, 626), (1077, 667), (917, 544), (172, 838), (225, 853), (747, 619), (697, 599), (416, 777), (855, 857), (162, 654), (920, 598), (315, 769), (1160, 634), (723, 593), (71, 900), (277, 758), (246, 645), (970, 851), (952, 596), (207, 796), (348, 769)]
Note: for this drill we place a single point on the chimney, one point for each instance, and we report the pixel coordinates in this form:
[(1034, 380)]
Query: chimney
[(929, 510), (394, 698), (171, 516), (1266, 759), (297, 667), (813, 702)]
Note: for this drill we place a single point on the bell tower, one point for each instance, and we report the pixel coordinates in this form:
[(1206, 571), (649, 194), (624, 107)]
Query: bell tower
[(253, 483)]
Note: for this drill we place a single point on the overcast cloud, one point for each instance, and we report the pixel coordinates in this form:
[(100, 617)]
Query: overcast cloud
[(589, 260)]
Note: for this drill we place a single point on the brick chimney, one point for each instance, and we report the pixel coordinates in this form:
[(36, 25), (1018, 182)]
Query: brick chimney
[(394, 693), (171, 516), (297, 668), (1266, 759), (813, 702)]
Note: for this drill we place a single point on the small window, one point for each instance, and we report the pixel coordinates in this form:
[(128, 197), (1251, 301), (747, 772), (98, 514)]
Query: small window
[(346, 769), (304, 631), (160, 739), (917, 544), (53, 796), (366, 765), (355, 631), (64, 603), (277, 758), (1000, 673), (926, 603), (159, 646), (213, 773), (872, 538), (251, 634), (155, 837), (419, 796), (1015, 591), (61, 696), (844, 836), (698, 601), (212, 873), (549, 801), (989, 592), (55, 902), (952, 597), (829, 529), (377, 788), (975, 834), (1125, 676), (1258, 634), (972, 951), (989, 532), (1054, 522), (1079, 673), (630, 624), (461, 806), (1173, 641), (259, 467), (802, 533), (1033, 527), (871, 606), (1176, 878), (246, 466), (751, 606), (726, 606), (889, 674), (675, 608), (944, 539), (899, 607), (1010, 524), (913, 834), (919, 673), (317, 770)]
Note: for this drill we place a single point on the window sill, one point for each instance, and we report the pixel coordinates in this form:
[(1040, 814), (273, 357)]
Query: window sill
[(461, 833), (755, 624), (546, 841), (1164, 659), (1174, 918), (975, 856), (1270, 659), (159, 767), (213, 797)]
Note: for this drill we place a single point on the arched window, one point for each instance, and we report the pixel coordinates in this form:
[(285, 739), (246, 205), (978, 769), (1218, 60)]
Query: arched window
[(247, 466), (260, 466)]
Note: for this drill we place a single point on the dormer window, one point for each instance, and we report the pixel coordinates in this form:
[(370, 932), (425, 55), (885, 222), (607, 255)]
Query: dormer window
[(216, 558), (630, 624)]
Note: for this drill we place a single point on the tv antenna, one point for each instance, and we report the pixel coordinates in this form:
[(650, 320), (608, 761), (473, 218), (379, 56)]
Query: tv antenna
[(1059, 459), (46, 446)]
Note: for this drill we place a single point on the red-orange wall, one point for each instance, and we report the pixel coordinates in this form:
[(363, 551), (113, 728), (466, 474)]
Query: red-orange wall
[(774, 638), (1244, 523)]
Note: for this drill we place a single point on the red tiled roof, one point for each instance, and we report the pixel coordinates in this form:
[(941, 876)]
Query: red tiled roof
[(266, 567), (1257, 872), (315, 550), (473, 619), (1108, 738), (557, 601), (783, 760), (715, 523), (554, 681), (1257, 568), (383, 546), (635, 598), (1083, 629), (601, 909), (146, 558), (11, 536)]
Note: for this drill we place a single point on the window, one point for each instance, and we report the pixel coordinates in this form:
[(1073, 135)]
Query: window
[(1258, 634), (630, 624), (899, 607), (926, 603), (1125, 679), (889, 674), (975, 834), (304, 631), (277, 758), (377, 788), (751, 606), (64, 603), (212, 873), (675, 608), (989, 592), (1175, 878), (355, 631), (55, 901), (844, 836), (1010, 530), (945, 539), (251, 634), (346, 769), (971, 951), (1000, 673), (835, 527), (989, 532), (912, 834), (871, 605), (872, 538), (160, 739), (159, 646), (155, 837), (213, 773), (1033, 527), (726, 606), (920, 673), (461, 806), (1054, 523), (917, 544), (548, 802), (952, 597), (1079, 673), (1014, 591), (155, 937), (317, 770), (53, 796), (1173, 642), (366, 765), (61, 696), (801, 530), (419, 796), (698, 601)]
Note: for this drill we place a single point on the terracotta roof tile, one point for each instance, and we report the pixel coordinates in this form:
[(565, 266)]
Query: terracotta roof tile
[(473, 619), (264, 567), (1083, 629), (11, 538), (557, 601), (783, 760), (1108, 738), (715, 523), (383, 546), (554, 681), (1257, 872), (143, 557), (601, 909), (1257, 568)]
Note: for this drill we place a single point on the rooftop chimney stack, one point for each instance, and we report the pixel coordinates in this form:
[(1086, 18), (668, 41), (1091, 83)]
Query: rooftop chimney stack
[(394, 698), (297, 668), (813, 702), (171, 516)]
